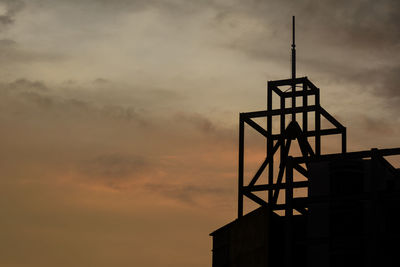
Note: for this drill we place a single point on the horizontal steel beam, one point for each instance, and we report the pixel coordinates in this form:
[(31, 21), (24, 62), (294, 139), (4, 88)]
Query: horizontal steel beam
[(276, 112), (313, 133), (349, 155), (266, 187), (299, 93), (288, 81)]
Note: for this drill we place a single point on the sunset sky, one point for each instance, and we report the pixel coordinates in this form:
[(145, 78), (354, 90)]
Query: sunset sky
[(119, 119)]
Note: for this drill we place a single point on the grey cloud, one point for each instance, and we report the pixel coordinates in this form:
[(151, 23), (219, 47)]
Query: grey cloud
[(6, 43), (200, 122), (35, 97), (386, 81), (187, 194), (11, 53), (124, 113), (383, 81), (108, 144), (391, 81), (334, 38), (350, 41), (11, 8), (175, 9), (380, 131), (360, 24), (196, 128), (114, 169), (26, 85), (105, 100), (101, 81), (123, 99), (31, 97), (378, 127)]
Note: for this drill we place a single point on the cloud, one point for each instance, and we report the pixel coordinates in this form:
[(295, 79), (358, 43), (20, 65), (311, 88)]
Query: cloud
[(189, 194), (13, 54), (103, 142), (359, 24), (336, 40), (197, 120), (384, 80), (140, 142), (174, 6), (8, 11), (378, 127), (32, 98), (115, 170)]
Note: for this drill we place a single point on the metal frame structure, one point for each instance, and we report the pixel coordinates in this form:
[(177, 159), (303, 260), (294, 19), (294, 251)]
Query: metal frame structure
[(281, 177), (287, 132)]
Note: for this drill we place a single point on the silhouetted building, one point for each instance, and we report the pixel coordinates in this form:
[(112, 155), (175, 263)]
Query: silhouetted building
[(350, 214), (352, 219)]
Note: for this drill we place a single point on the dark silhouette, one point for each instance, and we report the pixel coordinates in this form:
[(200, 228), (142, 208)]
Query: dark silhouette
[(350, 214)]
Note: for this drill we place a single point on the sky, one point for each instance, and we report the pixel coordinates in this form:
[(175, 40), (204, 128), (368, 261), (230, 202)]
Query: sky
[(119, 119)]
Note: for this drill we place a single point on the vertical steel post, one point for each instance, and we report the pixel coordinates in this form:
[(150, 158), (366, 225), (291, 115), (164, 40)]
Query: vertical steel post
[(282, 130), (293, 69), (305, 114), (241, 165), (344, 141), (317, 124), (374, 209), (289, 213), (270, 141)]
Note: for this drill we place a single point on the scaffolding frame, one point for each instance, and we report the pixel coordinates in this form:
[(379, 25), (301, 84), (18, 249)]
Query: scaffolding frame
[(289, 131), (282, 141)]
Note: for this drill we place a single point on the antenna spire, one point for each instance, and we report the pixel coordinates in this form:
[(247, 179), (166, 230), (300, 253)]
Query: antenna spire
[(293, 51), (293, 71)]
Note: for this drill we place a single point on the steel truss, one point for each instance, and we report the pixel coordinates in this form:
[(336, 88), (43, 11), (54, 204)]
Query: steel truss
[(288, 132), (282, 140)]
